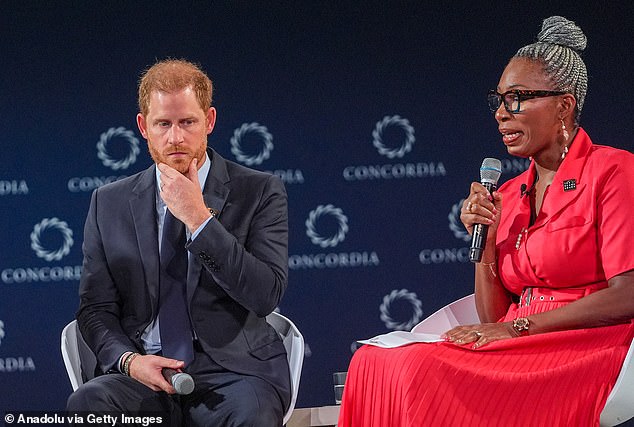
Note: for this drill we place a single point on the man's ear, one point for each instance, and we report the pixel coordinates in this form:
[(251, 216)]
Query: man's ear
[(211, 119), (142, 124)]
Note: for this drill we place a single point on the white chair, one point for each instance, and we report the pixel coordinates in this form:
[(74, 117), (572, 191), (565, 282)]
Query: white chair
[(294, 343), (80, 361), (619, 406)]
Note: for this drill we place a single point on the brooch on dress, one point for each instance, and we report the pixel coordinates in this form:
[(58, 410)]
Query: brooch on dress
[(570, 184)]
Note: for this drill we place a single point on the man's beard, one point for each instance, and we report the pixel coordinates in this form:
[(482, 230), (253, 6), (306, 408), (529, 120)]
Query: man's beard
[(181, 165)]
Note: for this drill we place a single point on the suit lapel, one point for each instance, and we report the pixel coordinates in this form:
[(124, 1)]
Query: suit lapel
[(143, 207), (215, 194), (570, 170)]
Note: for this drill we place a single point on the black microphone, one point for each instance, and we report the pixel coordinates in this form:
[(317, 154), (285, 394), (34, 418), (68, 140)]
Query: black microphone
[(182, 382), (490, 172)]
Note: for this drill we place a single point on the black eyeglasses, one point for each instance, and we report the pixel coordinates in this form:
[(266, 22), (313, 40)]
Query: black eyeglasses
[(513, 98)]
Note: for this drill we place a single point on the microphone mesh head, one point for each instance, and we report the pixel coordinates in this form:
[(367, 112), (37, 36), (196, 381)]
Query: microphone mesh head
[(490, 170), (183, 383)]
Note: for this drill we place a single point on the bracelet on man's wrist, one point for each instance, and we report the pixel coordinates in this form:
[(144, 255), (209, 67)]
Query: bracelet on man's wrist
[(126, 363), (122, 359)]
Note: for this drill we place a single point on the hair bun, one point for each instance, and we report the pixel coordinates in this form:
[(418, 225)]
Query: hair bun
[(561, 31)]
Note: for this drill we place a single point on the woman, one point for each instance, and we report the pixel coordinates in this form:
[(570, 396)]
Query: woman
[(555, 288)]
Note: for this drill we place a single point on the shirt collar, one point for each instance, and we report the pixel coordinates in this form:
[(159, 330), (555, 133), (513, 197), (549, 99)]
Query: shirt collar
[(571, 167)]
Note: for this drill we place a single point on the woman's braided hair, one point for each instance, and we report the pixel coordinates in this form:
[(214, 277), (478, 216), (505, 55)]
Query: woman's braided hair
[(559, 46)]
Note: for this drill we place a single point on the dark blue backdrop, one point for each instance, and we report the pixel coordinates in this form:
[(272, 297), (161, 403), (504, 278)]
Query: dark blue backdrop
[(373, 113)]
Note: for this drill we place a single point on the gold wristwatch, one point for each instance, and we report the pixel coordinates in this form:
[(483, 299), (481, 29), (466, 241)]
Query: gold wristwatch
[(521, 325)]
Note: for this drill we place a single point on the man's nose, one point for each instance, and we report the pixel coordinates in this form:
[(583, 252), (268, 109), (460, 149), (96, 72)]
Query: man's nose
[(175, 135)]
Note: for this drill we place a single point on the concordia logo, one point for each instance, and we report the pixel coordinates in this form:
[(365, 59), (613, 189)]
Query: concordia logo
[(385, 129), (317, 239), (44, 225), (13, 187), (14, 364), (256, 134), (106, 139), (450, 255), (319, 219), (393, 121), (392, 298), (51, 229), (109, 142)]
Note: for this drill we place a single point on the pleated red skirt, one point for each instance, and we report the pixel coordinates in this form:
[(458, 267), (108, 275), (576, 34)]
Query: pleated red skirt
[(554, 379)]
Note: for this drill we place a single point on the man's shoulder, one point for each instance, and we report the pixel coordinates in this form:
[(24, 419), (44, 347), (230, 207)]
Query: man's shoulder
[(240, 174), (125, 184), (243, 172)]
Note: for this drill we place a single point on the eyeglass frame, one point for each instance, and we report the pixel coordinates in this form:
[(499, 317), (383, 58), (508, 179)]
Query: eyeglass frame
[(522, 95)]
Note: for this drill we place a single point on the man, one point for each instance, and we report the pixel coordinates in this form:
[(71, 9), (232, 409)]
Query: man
[(234, 272)]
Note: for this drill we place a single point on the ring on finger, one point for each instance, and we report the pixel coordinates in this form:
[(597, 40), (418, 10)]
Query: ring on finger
[(478, 333), (472, 207)]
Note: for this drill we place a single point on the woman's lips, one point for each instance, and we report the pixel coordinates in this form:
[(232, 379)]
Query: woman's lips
[(510, 137)]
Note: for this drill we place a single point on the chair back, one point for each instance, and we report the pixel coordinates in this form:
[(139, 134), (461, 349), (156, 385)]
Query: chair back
[(618, 408), (79, 360), (294, 344)]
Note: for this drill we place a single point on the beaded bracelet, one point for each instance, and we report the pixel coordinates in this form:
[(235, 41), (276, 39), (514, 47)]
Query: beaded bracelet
[(127, 362), (491, 266), (122, 359)]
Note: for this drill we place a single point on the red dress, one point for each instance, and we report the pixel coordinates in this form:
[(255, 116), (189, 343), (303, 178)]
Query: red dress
[(580, 239)]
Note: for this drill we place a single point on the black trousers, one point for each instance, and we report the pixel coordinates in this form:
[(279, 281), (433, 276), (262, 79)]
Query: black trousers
[(220, 398)]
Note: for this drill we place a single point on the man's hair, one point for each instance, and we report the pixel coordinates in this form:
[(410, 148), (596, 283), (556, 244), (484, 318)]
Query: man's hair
[(558, 47), (172, 75)]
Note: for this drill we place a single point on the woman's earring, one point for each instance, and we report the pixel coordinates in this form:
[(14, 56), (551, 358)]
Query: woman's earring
[(566, 135), (564, 131)]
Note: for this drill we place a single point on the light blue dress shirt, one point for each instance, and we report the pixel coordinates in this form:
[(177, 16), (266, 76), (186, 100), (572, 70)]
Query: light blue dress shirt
[(151, 337)]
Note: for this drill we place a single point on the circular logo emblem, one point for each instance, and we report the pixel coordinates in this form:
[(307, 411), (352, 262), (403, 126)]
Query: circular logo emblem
[(244, 131), (115, 134), (41, 228), (390, 299), (455, 225), (386, 124), (332, 240)]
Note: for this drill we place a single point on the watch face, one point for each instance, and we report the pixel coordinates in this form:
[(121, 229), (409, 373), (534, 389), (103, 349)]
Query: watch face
[(521, 324)]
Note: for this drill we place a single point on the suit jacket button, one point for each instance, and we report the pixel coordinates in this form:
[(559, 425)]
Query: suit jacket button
[(137, 334)]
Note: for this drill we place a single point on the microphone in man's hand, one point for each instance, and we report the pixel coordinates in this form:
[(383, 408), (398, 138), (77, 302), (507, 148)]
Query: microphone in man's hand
[(182, 382), (490, 172)]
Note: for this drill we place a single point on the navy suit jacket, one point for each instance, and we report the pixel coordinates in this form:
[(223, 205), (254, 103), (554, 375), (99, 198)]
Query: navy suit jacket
[(237, 273)]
